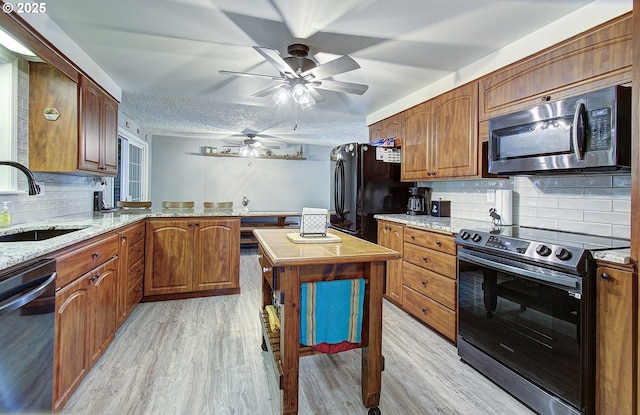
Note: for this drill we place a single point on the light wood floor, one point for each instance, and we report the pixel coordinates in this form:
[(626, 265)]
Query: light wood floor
[(203, 356)]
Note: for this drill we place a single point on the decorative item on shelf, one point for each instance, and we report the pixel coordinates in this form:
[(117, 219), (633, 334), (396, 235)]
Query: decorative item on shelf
[(51, 114)]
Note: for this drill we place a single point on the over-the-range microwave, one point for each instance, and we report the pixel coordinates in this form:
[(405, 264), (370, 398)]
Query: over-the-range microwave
[(586, 133)]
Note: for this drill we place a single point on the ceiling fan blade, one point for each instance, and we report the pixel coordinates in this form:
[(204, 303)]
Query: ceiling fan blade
[(267, 91), (276, 60), (252, 75), (337, 66), (339, 86)]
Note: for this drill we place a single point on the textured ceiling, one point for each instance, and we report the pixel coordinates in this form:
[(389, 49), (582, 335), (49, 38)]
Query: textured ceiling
[(165, 55)]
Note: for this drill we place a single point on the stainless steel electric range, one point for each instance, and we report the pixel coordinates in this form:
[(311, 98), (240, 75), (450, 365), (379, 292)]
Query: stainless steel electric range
[(526, 299)]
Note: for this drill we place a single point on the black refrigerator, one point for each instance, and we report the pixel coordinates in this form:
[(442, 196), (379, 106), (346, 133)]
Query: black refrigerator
[(362, 185)]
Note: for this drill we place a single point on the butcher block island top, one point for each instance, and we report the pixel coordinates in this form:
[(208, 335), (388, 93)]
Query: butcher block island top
[(285, 267), (280, 251)]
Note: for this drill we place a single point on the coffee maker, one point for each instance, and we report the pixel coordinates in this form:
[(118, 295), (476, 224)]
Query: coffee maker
[(418, 201)]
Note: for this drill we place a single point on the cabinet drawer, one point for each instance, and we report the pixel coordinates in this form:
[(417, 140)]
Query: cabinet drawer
[(439, 262), (135, 272), (435, 286), (433, 240), (134, 294), (80, 259), (434, 314), (136, 233), (136, 251)]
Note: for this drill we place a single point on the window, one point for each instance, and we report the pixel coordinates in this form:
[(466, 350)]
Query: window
[(131, 182)]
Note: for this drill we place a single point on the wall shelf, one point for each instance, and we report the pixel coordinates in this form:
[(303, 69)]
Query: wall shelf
[(274, 157)]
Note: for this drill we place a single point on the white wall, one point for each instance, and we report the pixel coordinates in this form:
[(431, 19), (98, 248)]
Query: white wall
[(180, 173), (595, 204)]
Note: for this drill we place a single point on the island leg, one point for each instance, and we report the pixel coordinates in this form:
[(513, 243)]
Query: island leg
[(290, 339), (372, 360)]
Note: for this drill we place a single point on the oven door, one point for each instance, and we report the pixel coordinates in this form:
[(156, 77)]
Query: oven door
[(530, 319)]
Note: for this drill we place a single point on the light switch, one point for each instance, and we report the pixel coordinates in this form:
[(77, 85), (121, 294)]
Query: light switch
[(491, 196)]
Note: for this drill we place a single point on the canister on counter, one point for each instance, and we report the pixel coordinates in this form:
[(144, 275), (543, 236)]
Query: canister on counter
[(441, 208)]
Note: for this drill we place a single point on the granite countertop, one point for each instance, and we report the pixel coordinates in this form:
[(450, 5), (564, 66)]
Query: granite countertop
[(454, 225), (90, 225)]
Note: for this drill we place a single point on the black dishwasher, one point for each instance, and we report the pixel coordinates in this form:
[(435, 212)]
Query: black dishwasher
[(27, 312)]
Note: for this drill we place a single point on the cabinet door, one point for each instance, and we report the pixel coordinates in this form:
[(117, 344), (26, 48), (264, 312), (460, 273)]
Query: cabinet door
[(217, 254), (109, 136), (103, 307), (90, 128), (375, 132), (71, 356), (169, 257), (616, 341), (390, 235), (415, 135), (391, 127), (454, 144)]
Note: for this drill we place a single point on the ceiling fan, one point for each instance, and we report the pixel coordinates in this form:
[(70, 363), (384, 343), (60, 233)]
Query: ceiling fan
[(301, 77), (251, 145)]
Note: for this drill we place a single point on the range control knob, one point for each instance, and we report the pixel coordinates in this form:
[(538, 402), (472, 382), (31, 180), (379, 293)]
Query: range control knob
[(476, 237), (464, 235), (543, 250), (563, 254)]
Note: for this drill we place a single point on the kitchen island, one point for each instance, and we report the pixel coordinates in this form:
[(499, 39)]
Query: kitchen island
[(287, 265)]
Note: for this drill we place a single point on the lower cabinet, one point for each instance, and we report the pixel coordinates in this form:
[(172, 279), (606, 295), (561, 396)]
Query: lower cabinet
[(85, 321), (192, 255), (131, 271), (616, 340), (390, 235)]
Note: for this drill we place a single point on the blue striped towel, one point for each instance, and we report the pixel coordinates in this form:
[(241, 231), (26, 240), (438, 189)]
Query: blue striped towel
[(331, 311)]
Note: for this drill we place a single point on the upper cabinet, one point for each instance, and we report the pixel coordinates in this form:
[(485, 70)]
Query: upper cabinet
[(99, 130), (440, 136), (84, 137), (387, 128), (593, 60)]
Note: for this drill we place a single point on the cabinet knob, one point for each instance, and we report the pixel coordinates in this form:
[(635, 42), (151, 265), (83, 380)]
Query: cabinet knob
[(433, 173), (197, 223), (413, 237), (424, 258), (424, 283), (546, 98), (605, 276), (438, 243), (267, 269), (95, 255), (424, 310)]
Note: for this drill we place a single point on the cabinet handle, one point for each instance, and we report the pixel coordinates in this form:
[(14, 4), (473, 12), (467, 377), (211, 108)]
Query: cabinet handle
[(267, 269), (139, 233), (190, 224), (546, 98), (95, 255), (138, 250), (197, 223), (424, 258), (424, 310), (123, 237), (605, 276), (94, 278), (433, 173), (413, 237), (424, 283), (438, 243)]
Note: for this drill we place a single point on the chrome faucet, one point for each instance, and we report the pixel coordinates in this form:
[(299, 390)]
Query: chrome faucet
[(34, 188)]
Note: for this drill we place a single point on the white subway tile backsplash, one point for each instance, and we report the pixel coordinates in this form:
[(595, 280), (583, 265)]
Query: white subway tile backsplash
[(599, 204)]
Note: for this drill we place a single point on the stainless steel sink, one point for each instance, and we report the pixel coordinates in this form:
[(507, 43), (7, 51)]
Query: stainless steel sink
[(36, 235)]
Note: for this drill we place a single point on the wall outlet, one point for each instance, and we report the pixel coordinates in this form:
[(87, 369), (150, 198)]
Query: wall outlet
[(491, 196)]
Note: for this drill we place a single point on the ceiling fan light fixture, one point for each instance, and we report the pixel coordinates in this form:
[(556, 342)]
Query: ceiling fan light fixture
[(309, 105), (300, 94), (281, 97)]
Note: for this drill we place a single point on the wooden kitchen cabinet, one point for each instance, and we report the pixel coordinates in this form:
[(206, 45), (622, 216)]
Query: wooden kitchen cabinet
[(440, 136), (131, 269), (616, 340), (415, 142), (85, 320), (429, 277), (84, 137), (192, 255), (595, 59), (390, 235), (388, 128), (97, 146)]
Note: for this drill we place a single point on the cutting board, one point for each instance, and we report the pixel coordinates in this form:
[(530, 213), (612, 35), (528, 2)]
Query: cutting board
[(297, 239)]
